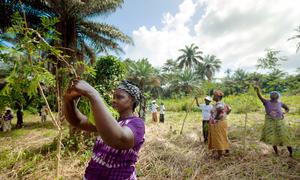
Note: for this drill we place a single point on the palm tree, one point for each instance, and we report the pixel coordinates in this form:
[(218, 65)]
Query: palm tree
[(184, 81), (210, 66), (34, 10), (297, 36), (144, 74), (170, 66), (78, 32), (228, 72), (190, 57)]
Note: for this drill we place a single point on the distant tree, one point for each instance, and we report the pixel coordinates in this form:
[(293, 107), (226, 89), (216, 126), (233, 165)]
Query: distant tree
[(297, 36), (185, 82), (143, 73), (170, 66), (271, 61), (145, 76), (228, 73), (191, 56), (211, 64), (239, 78)]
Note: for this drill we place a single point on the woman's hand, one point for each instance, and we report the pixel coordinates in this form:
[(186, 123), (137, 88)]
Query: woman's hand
[(71, 93), (82, 88)]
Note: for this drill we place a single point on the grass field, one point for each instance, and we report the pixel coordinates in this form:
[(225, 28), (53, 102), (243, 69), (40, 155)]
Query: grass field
[(29, 153)]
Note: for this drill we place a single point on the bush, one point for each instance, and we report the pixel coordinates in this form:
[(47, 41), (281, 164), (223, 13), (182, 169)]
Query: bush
[(32, 110), (179, 104), (235, 101)]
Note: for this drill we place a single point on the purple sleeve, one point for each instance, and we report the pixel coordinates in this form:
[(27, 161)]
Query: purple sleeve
[(137, 127), (265, 103)]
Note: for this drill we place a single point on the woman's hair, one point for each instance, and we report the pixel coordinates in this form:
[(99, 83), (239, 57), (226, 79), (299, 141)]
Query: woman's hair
[(133, 90), (219, 94)]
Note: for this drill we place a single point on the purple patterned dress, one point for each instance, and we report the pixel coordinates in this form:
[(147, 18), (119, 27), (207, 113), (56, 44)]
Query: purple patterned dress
[(109, 163)]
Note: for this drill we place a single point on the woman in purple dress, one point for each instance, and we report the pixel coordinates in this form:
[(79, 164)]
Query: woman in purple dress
[(116, 149), (275, 131)]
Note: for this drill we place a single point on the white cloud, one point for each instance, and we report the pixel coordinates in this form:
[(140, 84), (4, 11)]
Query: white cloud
[(235, 31)]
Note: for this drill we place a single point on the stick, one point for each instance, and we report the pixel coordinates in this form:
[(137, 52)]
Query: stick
[(245, 129), (187, 112)]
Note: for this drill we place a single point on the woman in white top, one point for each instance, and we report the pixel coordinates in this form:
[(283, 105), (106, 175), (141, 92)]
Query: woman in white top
[(206, 114)]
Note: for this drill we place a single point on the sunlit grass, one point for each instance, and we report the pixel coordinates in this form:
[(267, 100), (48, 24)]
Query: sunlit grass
[(30, 152)]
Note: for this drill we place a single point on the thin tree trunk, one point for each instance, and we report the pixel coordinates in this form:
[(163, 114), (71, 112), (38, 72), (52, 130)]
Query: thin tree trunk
[(187, 112), (58, 153), (57, 123), (245, 131)]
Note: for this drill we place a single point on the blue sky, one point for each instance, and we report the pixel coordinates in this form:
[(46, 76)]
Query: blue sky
[(135, 13), (237, 32)]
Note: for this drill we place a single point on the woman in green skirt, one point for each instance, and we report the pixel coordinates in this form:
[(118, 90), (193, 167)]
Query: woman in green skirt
[(275, 131)]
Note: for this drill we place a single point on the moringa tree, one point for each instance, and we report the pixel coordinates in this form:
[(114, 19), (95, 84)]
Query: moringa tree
[(271, 61)]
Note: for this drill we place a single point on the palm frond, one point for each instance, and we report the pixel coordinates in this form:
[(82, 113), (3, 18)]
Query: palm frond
[(107, 31), (101, 43), (96, 7)]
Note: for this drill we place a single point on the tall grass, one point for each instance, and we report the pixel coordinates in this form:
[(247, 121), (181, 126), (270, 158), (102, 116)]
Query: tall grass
[(188, 103)]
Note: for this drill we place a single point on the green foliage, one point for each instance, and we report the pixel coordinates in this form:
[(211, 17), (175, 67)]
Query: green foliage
[(144, 75), (28, 58), (244, 103), (185, 82), (74, 143), (5, 101), (271, 61), (109, 72), (208, 68), (179, 104), (32, 110), (191, 56), (106, 75), (297, 36)]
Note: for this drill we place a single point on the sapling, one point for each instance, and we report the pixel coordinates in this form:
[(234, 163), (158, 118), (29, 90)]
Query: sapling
[(29, 49), (247, 103)]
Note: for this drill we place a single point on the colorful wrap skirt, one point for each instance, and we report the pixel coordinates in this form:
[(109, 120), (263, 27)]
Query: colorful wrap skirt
[(275, 132), (217, 136)]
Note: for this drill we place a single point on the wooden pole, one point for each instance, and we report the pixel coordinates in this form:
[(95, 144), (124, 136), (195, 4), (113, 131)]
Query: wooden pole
[(187, 112)]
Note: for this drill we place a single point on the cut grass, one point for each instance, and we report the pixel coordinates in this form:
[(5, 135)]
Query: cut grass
[(29, 153)]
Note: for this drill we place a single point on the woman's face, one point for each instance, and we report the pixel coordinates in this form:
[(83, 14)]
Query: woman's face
[(274, 96), (122, 101), (216, 98)]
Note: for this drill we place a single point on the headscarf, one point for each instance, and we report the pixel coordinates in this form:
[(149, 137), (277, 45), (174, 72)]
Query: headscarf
[(131, 89), (218, 93)]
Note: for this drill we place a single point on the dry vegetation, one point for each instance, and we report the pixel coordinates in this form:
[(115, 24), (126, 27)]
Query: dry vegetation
[(29, 154)]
